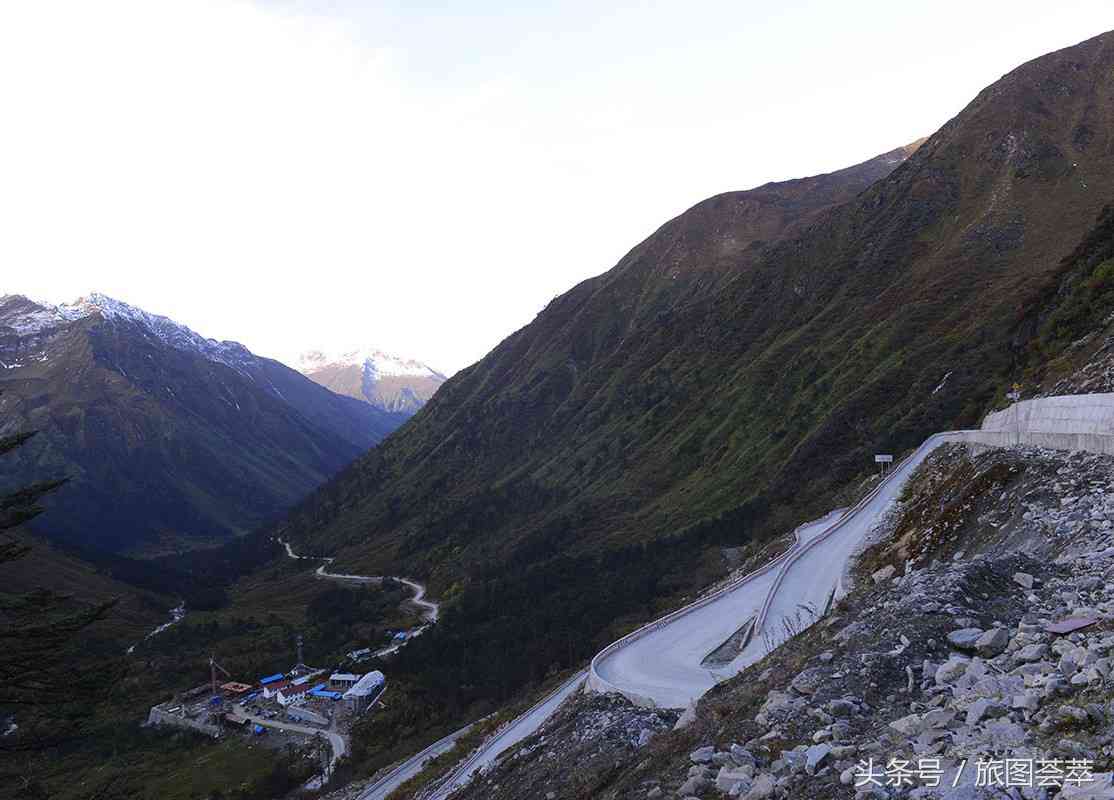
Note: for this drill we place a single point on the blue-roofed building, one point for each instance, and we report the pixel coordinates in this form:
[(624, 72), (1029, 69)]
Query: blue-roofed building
[(278, 676), (323, 693)]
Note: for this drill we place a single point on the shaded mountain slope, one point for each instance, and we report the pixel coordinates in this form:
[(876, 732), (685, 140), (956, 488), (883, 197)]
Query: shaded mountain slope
[(169, 439), (538, 380), (47, 567), (735, 369)]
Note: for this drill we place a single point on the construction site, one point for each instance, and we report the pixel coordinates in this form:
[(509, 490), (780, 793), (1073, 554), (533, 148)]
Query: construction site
[(301, 703)]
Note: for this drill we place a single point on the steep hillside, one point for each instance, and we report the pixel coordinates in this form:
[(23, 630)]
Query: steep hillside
[(388, 383), (45, 566), (736, 369), (949, 654), (170, 440), (533, 382)]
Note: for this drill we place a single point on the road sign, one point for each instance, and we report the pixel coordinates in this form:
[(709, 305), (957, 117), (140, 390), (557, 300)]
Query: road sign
[(883, 458)]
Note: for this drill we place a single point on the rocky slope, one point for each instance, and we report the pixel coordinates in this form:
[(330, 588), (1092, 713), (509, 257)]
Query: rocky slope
[(169, 439), (943, 652), (387, 382)]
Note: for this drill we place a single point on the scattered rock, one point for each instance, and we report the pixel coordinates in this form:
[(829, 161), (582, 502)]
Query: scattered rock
[(733, 780), (762, 788), (965, 638), (702, 755), (815, 757), (984, 708), (1031, 652), (951, 670), (992, 643)]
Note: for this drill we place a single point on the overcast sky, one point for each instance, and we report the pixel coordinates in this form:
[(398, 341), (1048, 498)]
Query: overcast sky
[(424, 177)]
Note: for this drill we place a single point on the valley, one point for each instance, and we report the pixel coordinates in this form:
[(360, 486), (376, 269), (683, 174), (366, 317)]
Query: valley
[(817, 477)]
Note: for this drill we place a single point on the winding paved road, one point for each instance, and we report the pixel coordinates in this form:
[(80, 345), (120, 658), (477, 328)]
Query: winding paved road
[(664, 666), (508, 736), (379, 789), (661, 664), (430, 609)]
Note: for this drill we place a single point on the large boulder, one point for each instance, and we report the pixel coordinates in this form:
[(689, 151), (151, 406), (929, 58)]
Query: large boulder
[(808, 681), (702, 755), (1099, 789), (965, 638), (984, 707), (815, 757), (730, 780), (1030, 653), (908, 726), (762, 788), (992, 643), (951, 670)]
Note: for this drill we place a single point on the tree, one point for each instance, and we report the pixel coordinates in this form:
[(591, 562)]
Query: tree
[(46, 696)]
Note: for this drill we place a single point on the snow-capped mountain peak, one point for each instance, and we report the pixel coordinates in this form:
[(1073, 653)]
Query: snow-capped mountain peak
[(31, 317), (375, 362), (386, 381)]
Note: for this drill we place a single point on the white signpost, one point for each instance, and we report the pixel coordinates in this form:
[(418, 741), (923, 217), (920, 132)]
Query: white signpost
[(882, 459)]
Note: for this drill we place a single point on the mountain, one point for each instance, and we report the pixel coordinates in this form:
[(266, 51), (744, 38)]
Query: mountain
[(169, 439), (389, 383), (585, 387), (732, 374)]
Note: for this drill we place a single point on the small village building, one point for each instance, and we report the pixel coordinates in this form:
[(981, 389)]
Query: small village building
[(342, 681), (321, 693), (271, 690)]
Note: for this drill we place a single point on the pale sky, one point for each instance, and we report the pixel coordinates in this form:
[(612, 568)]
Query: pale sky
[(423, 177)]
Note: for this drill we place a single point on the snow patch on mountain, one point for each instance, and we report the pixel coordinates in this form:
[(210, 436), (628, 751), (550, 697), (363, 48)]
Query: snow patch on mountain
[(25, 316), (375, 362), (29, 317)]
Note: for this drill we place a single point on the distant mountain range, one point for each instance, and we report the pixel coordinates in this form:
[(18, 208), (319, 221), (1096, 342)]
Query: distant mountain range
[(387, 382), (170, 440)]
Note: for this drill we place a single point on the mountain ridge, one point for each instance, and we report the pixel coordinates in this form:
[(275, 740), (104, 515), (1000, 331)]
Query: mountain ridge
[(202, 439)]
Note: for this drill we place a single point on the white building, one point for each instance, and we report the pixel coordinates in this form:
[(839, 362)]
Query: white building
[(295, 692), (342, 681), (366, 689)]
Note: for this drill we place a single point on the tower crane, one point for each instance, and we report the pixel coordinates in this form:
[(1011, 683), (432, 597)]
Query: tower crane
[(213, 667)]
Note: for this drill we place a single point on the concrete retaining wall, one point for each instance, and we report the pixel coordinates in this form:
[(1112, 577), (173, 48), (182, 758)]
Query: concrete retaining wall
[(1087, 442), (159, 717), (1067, 414)]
